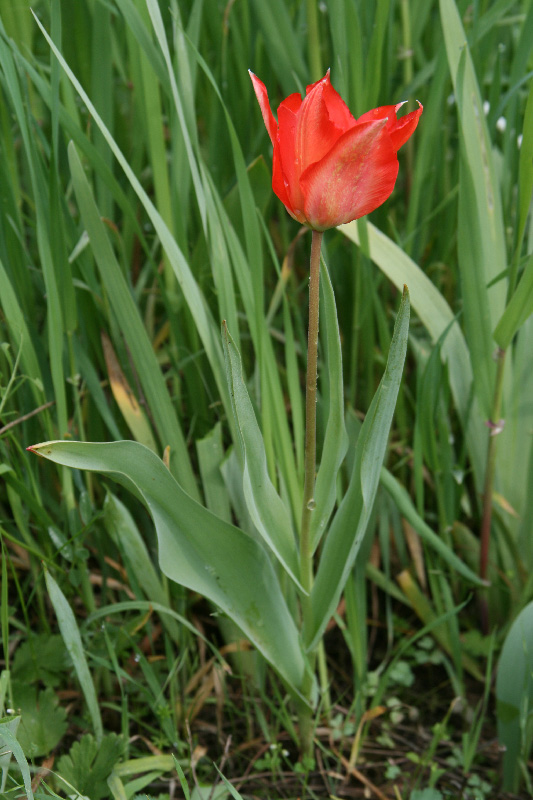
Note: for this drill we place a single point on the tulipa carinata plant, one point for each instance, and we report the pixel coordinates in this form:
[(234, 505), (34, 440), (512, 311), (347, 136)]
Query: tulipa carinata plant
[(230, 516), (328, 169)]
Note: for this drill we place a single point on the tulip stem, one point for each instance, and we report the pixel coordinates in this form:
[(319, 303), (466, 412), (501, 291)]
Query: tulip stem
[(306, 551)]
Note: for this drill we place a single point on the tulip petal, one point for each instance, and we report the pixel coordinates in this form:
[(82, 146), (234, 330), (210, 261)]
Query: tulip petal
[(322, 120), (354, 178), (399, 129), (280, 185), (339, 113), (405, 127), (262, 97), (286, 167)]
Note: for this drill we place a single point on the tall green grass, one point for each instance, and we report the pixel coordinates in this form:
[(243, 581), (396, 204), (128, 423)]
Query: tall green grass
[(136, 211)]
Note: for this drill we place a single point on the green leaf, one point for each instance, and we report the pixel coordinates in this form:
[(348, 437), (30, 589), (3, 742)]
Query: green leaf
[(198, 550), (122, 528), (526, 166), (514, 696), (335, 438), (520, 307), (476, 310), (43, 720), (210, 792), (210, 451), (267, 510), (350, 522), (486, 213), (425, 794), (7, 724), (41, 657), (89, 764), (8, 742), (71, 637)]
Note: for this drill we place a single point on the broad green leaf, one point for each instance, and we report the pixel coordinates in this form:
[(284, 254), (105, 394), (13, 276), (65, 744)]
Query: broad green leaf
[(514, 696), (123, 530), (198, 550), (210, 451), (267, 510), (335, 438), (519, 309), (71, 636), (437, 317), (350, 522)]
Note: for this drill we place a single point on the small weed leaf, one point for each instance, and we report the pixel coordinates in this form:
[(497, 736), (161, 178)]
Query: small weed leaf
[(42, 658), (89, 764), (425, 794), (43, 722)]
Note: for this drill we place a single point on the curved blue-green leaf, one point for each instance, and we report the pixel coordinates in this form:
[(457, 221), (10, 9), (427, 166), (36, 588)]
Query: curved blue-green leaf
[(335, 438), (198, 550), (267, 510), (350, 522)]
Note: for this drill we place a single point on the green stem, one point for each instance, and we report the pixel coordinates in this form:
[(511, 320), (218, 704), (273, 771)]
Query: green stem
[(306, 552), (306, 568), (486, 518), (313, 40)]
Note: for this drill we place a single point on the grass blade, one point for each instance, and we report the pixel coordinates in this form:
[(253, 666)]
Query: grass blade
[(71, 637)]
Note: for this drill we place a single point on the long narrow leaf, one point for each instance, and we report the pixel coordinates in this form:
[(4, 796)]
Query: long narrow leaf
[(266, 507), (350, 522), (73, 643), (335, 438)]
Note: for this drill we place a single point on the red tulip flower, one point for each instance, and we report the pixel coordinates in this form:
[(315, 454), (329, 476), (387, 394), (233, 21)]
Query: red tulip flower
[(330, 168)]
